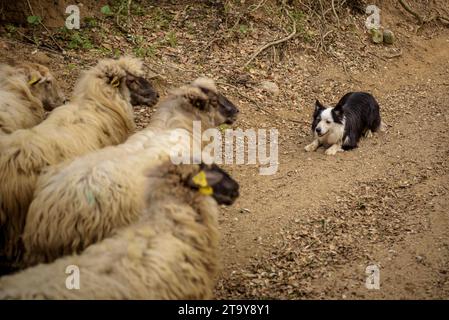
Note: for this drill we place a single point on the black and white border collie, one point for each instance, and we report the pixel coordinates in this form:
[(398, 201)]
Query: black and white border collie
[(340, 128)]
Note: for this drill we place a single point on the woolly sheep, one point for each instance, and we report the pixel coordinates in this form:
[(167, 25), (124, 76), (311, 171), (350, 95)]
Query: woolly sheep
[(170, 253), (82, 202), (99, 115), (26, 91)]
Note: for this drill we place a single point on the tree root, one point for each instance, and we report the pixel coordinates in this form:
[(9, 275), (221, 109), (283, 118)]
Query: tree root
[(420, 19), (273, 43)]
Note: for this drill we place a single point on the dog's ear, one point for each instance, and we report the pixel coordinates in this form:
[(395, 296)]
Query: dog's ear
[(318, 106), (338, 112)]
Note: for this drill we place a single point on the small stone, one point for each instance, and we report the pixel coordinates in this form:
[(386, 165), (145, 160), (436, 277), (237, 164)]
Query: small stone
[(270, 87), (376, 36), (388, 36)]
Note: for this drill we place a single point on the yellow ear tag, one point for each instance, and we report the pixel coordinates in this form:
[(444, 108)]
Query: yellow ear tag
[(115, 82), (200, 180), (207, 191), (33, 80)]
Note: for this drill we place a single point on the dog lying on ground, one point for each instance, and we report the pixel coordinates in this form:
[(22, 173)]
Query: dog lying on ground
[(340, 128)]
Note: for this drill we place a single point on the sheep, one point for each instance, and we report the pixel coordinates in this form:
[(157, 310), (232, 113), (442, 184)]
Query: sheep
[(171, 252), (84, 201), (100, 114), (27, 90)]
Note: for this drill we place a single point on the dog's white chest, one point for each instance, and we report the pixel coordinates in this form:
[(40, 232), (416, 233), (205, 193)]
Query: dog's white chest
[(334, 136)]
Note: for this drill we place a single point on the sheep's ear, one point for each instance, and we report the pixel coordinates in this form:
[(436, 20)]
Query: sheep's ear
[(200, 180), (199, 101), (35, 79), (214, 176), (115, 82)]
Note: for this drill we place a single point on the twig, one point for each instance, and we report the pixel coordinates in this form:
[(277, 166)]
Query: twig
[(323, 14), (241, 94), (377, 56), (443, 20), (32, 42), (422, 21), (291, 35), (45, 27), (335, 13), (31, 9), (255, 102), (129, 10), (410, 10), (262, 2), (52, 38), (117, 18), (396, 55)]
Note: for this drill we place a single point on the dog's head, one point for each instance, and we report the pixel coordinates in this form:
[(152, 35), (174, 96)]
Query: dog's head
[(325, 120)]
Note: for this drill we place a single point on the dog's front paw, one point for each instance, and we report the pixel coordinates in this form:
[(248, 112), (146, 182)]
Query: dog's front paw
[(312, 147), (309, 148), (332, 151), (369, 134)]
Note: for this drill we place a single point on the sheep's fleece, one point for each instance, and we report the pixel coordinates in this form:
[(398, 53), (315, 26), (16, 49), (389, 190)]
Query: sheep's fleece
[(82, 202), (26, 91), (100, 114), (170, 253)]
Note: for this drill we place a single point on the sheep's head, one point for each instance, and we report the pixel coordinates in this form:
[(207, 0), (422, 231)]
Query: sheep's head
[(198, 180), (203, 95), (43, 85), (214, 181), (126, 76)]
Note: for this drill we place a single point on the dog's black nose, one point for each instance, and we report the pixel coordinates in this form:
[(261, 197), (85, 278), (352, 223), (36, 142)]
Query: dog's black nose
[(318, 130)]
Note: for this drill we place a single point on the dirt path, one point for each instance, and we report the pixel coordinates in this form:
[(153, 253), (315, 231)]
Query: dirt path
[(395, 183)]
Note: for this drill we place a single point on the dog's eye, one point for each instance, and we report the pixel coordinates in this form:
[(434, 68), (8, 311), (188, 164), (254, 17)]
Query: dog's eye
[(328, 121)]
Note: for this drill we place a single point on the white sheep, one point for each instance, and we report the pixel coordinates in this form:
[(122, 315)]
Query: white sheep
[(100, 114), (84, 201), (26, 91), (170, 253)]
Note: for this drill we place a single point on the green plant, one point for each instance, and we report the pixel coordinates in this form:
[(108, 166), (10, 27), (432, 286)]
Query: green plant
[(11, 29), (117, 53), (243, 29), (34, 20), (136, 9), (159, 19), (172, 39), (79, 40), (71, 66), (36, 40), (142, 51), (91, 22), (106, 10)]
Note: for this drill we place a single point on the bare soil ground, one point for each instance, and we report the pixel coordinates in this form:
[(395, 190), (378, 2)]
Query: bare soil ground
[(310, 230)]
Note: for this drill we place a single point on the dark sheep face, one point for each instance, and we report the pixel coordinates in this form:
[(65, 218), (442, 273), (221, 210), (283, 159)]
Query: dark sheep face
[(141, 91), (226, 111), (214, 181)]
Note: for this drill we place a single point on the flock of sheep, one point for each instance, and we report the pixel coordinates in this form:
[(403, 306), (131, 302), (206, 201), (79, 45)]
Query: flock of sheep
[(80, 188)]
